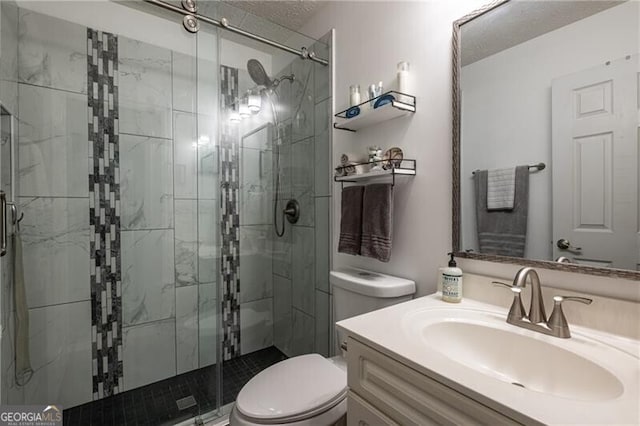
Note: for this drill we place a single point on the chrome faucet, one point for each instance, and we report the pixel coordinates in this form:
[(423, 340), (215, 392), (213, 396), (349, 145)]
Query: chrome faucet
[(536, 320)]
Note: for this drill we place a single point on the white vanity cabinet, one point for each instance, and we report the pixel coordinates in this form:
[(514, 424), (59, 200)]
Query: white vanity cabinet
[(426, 362), (383, 391)]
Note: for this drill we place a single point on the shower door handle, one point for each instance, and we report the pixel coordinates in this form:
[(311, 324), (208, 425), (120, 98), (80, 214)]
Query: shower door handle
[(3, 223)]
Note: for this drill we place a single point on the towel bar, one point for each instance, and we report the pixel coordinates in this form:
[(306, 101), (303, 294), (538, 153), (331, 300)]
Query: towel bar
[(537, 167)]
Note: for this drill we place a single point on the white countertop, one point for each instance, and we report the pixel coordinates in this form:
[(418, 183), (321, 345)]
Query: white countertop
[(385, 331)]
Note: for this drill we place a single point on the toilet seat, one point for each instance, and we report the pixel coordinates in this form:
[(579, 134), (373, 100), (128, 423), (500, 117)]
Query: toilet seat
[(282, 393), (334, 416)]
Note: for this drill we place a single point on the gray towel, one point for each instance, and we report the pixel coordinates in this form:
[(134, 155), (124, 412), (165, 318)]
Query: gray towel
[(351, 220), (501, 189), (377, 221), (503, 232), (23, 372)]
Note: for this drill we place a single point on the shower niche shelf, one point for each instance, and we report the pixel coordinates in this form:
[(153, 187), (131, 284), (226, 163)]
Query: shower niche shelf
[(404, 167), (398, 105)]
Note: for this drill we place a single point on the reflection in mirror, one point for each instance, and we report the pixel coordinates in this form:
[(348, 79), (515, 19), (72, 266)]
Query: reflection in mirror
[(556, 83)]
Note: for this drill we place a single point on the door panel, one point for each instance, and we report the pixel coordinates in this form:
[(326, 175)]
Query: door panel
[(592, 159)]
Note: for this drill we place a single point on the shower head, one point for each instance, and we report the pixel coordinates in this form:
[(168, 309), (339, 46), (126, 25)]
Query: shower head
[(260, 77), (258, 74)]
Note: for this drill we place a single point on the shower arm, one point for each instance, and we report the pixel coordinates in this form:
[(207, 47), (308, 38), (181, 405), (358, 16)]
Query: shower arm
[(277, 81)]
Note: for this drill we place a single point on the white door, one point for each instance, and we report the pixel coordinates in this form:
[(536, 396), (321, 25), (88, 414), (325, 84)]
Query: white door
[(595, 165)]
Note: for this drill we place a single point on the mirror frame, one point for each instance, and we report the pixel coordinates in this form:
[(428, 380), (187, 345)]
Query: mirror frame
[(456, 131)]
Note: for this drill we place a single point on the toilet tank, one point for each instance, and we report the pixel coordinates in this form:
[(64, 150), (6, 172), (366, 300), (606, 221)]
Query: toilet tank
[(357, 291)]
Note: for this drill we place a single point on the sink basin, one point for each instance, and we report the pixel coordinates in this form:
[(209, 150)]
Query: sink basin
[(485, 343), (523, 361)]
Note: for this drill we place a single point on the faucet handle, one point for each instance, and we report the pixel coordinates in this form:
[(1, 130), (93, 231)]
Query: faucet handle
[(557, 321), (516, 312), (559, 299), (497, 283)]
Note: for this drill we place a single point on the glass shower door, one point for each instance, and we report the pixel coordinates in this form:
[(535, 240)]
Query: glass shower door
[(274, 148), (208, 222)]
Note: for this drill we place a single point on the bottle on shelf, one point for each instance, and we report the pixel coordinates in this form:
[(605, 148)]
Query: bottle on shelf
[(403, 79), (354, 95)]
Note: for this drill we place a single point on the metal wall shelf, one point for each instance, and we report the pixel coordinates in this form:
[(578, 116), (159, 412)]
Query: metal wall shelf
[(396, 167), (400, 105)]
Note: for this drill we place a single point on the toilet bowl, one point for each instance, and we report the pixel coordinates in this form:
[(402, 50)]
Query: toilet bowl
[(310, 390)]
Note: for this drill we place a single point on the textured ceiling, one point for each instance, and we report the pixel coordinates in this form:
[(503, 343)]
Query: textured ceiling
[(518, 21), (289, 14)]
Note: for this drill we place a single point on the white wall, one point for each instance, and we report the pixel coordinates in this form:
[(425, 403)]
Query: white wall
[(506, 103), (371, 38)]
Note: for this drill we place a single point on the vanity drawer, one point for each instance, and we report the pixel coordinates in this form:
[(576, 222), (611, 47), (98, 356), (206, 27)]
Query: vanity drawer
[(408, 397)]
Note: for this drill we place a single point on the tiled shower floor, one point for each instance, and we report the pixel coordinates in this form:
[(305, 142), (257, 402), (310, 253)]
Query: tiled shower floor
[(155, 404)]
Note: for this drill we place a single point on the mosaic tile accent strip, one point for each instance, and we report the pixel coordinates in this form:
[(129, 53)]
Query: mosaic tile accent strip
[(229, 214), (104, 211)]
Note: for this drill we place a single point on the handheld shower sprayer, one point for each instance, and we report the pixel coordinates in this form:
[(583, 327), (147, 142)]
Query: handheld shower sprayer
[(258, 74)]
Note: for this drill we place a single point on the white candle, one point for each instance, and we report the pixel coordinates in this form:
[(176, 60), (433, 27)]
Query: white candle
[(403, 77), (354, 95)]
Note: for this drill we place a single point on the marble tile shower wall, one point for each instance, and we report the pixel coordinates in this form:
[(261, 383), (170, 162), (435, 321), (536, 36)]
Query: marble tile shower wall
[(255, 195), (9, 98), (9, 55), (256, 212), (167, 177), (301, 292), (54, 196)]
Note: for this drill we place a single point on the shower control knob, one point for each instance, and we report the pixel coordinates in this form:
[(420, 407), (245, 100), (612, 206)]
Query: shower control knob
[(292, 211)]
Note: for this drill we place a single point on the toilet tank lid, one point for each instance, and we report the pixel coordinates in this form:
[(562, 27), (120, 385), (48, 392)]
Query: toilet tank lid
[(371, 283)]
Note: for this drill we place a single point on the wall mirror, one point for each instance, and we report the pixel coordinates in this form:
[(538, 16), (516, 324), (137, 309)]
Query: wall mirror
[(545, 135)]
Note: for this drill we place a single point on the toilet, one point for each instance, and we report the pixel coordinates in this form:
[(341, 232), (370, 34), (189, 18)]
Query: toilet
[(310, 390)]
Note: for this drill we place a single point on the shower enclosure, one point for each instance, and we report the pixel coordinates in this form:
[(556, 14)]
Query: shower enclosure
[(148, 169)]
